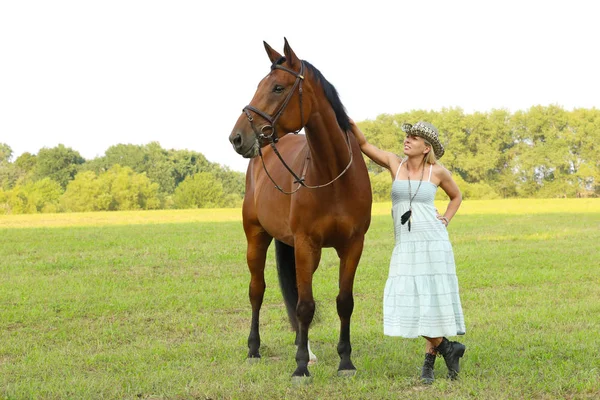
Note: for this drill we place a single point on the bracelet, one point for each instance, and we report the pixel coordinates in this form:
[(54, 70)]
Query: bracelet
[(445, 219)]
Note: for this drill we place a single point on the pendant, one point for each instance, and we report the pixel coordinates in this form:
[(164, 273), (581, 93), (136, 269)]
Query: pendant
[(405, 217)]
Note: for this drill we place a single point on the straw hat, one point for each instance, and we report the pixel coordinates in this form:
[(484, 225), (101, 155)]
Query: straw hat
[(427, 132)]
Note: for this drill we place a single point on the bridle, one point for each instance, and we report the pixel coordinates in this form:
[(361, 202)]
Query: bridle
[(273, 120), (273, 139)]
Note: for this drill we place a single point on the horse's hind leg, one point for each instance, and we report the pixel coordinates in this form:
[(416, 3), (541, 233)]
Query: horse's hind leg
[(349, 258), (286, 271), (258, 243), (307, 261)]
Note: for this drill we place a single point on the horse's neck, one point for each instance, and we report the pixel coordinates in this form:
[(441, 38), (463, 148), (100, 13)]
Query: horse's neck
[(328, 145)]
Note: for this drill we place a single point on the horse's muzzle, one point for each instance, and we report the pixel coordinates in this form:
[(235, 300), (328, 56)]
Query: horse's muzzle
[(247, 148)]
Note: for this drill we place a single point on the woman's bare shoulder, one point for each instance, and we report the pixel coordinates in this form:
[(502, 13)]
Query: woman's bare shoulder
[(437, 167), (440, 173)]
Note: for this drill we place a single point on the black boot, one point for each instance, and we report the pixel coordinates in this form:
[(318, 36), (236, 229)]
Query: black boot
[(427, 370), (452, 352)]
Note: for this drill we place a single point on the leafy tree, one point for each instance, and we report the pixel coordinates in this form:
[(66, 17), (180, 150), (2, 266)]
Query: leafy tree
[(8, 175), (187, 163), (541, 135), (59, 163), (584, 151), (234, 183), (119, 188), (486, 147), (17, 172), (7, 170), (126, 155), (128, 190), (85, 193), (381, 185), (159, 168), (168, 168), (5, 153), (31, 198), (45, 194), (4, 206), (26, 162), (202, 190)]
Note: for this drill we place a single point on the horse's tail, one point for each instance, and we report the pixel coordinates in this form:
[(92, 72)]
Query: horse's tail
[(286, 271)]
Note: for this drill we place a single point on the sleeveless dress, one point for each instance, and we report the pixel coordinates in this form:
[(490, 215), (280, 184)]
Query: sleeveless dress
[(421, 296)]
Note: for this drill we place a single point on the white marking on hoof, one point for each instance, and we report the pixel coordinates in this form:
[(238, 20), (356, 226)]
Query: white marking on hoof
[(312, 359), (253, 360)]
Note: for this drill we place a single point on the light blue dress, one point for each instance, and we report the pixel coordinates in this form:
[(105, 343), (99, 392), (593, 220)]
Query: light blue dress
[(421, 296)]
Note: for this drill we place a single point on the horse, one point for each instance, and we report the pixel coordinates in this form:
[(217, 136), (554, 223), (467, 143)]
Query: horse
[(307, 191)]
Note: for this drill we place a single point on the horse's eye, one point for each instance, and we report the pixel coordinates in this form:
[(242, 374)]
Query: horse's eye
[(278, 89)]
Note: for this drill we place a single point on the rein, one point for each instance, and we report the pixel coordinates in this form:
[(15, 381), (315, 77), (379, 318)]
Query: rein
[(273, 139)]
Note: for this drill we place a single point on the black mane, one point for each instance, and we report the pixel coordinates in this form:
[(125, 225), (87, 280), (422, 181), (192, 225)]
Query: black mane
[(333, 97)]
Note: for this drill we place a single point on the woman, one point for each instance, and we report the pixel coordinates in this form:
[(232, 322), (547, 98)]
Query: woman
[(421, 295)]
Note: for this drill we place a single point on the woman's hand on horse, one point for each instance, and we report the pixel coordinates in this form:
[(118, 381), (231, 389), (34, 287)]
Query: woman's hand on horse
[(360, 137)]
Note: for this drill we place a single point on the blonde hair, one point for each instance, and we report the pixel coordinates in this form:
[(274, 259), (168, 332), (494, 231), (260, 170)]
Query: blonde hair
[(430, 157)]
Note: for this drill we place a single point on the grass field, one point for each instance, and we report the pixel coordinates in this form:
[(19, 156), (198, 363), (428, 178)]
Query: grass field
[(152, 305)]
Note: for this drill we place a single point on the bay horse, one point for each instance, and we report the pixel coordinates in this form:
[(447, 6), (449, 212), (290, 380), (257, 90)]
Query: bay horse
[(306, 191)]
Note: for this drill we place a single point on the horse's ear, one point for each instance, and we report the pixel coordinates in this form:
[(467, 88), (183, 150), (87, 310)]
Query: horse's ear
[(273, 55), (290, 56)]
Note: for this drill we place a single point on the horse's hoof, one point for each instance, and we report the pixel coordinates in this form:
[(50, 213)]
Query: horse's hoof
[(346, 373), (253, 360), (301, 380), (312, 361)]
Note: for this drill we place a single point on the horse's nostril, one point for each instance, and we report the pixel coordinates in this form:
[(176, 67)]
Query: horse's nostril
[(237, 141)]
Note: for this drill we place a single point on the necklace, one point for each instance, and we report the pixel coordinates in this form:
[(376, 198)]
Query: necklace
[(407, 216)]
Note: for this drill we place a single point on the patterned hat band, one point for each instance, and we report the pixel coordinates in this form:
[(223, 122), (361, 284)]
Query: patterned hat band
[(427, 132)]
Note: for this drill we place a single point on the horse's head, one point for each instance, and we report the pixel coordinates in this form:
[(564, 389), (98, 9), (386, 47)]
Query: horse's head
[(278, 106)]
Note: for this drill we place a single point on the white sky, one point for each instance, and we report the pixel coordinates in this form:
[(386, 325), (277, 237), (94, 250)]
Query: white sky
[(92, 74)]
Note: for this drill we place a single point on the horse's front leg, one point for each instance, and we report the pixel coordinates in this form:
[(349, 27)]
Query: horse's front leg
[(349, 258), (258, 243), (308, 256)]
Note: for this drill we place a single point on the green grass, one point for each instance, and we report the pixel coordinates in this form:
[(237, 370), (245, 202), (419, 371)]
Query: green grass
[(130, 306)]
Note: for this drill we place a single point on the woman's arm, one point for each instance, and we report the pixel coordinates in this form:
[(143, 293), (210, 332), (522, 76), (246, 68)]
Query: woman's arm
[(381, 157), (451, 188)]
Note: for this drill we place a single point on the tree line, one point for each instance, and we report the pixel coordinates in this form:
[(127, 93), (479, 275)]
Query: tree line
[(543, 152), (127, 177)]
